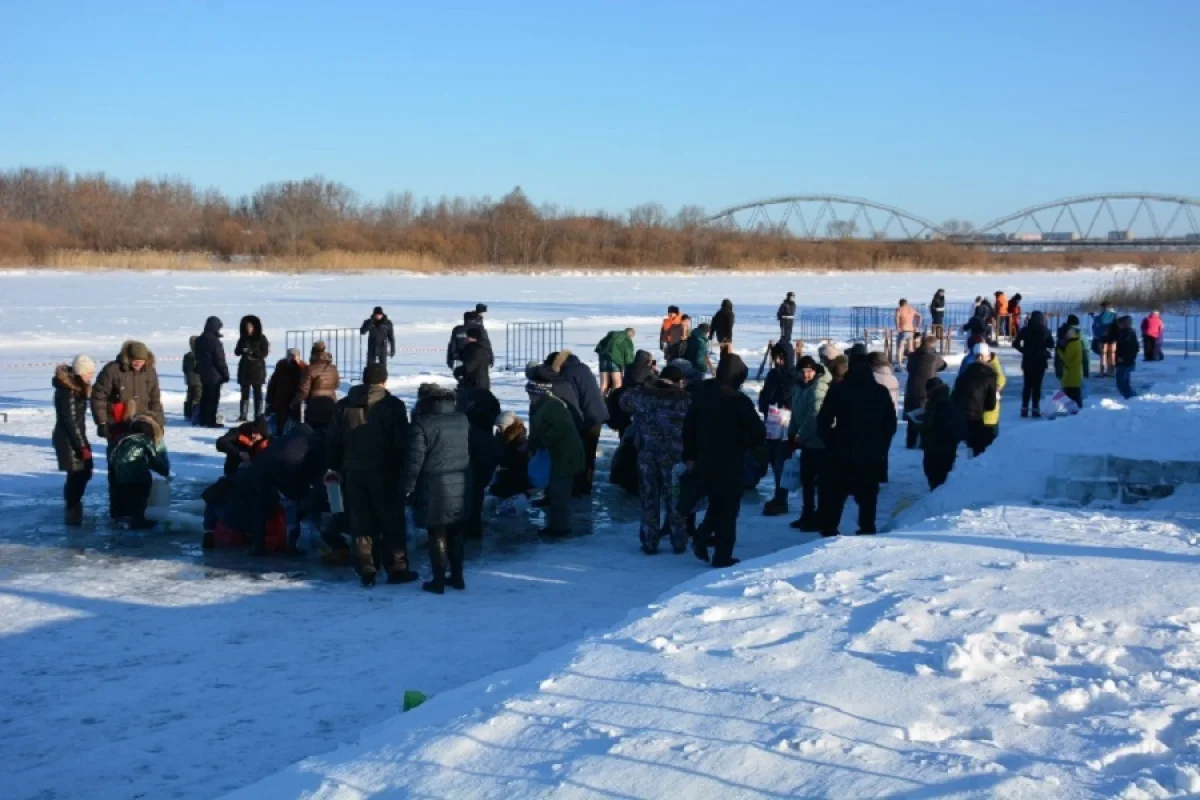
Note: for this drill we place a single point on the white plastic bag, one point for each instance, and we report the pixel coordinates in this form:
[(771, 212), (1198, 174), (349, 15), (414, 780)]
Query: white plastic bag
[(158, 505), (789, 479), (778, 420)]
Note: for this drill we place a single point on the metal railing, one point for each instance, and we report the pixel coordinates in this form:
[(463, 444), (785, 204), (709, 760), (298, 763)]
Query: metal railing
[(344, 344), (812, 325), (530, 341)]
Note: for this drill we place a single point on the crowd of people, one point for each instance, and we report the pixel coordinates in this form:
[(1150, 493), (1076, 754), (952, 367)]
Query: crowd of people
[(691, 442)]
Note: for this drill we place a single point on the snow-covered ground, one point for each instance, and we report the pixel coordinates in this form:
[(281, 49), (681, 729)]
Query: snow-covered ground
[(141, 666)]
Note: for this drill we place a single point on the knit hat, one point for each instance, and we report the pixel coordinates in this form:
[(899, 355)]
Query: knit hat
[(82, 365), (378, 310), (538, 388), (828, 352), (375, 375), (981, 350), (138, 352), (481, 308), (506, 420)]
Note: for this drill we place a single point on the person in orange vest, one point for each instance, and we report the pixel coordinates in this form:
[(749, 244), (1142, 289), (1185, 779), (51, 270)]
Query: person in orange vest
[(671, 339), (1001, 314)]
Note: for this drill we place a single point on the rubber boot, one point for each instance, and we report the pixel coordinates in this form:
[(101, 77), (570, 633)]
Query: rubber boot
[(456, 546), (437, 562), (778, 505)]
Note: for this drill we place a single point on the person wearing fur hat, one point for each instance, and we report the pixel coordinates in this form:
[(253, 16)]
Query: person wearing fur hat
[(137, 454), (381, 337), (212, 369), (125, 388), (367, 434), (191, 403), (282, 388), (977, 395), (553, 429), (318, 388), (721, 426), (512, 474), (72, 389), (252, 348)]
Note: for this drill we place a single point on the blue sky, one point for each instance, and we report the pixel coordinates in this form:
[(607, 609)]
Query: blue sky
[(967, 109)]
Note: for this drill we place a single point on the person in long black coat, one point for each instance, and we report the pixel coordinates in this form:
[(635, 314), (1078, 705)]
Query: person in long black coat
[(473, 374), (437, 468), (486, 451), (777, 391), (720, 328), (252, 348), (72, 390), (212, 369), (720, 427), (923, 363), (786, 316), (857, 422), (937, 312), (1035, 343), (381, 337)]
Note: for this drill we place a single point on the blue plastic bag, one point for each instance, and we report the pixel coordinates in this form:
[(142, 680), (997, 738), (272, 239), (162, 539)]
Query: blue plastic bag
[(539, 469)]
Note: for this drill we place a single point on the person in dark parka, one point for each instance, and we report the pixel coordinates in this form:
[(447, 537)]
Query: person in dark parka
[(472, 373), (191, 379), (591, 407), (293, 466), (367, 437), (942, 429), (637, 375), (786, 316), (126, 388), (1035, 343), (777, 391), (281, 389), (252, 348), (486, 451), (923, 363), (381, 337), (720, 329), (720, 427), (857, 422), (72, 390), (975, 392), (937, 312), (437, 467), (319, 383), (212, 369)]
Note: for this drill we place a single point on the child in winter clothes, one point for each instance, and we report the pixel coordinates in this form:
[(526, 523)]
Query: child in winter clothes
[(138, 453), (1126, 355), (192, 378)]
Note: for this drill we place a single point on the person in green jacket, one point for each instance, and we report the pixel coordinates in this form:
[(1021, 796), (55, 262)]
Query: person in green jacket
[(616, 352), (552, 428), (808, 395), (695, 351), (135, 455)]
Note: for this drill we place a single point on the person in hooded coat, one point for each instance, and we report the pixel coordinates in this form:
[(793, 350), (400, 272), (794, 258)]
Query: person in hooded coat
[(696, 349), (282, 388), (721, 327), (976, 394), (857, 422), (777, 392), (937, 313), (212, 369), (786, 316), (486, 451), (72, 389), (191, 378), (923, 364), (1035, 343), (658, 410), (808, 395), (252, 348), (721, 425), (591, 407), (367, 436), (381, 337), (126, 388), (318, 388), (942, 429)]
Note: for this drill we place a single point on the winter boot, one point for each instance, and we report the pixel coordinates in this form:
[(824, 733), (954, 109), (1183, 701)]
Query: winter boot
[(1037, 413), (368, 579), (1024, 412), (73, 516), (456, 546), (437, 563), (402, 576), (243, 408), (807, 522), (778, 505)]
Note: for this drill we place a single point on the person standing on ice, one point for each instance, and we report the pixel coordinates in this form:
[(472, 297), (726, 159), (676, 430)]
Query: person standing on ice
[(1035, 344), (282, 387), (458, 339), (616, 352), (721, 426), (777, 394), (553, 430), (191, 379), (923, 364), (381, 337), (1071, 360), (807, 398), (942, 429), (786, 315), (486, 451), (472, 373), (937, 313), (720, 329), (857, 422), (976, 393), (594, 412), (1152, 336), (1126, 353), (908, 321), (213, 371), (672, 335), (481, 311), (125, 388), (367, 437), (252, 348), (72, 390), (318, 388)]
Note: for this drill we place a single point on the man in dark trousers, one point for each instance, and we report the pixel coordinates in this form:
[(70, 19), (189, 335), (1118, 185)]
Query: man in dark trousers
[(923, 363), (212, 369), (975, 394), (472, 373), (366, 445), (787, 317), (857, 422), (720, 426), (720, 329), (381, 337)]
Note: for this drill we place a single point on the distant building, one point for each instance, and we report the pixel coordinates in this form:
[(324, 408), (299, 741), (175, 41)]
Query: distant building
[(1120, 236), (1060, 236), (1024, 237)]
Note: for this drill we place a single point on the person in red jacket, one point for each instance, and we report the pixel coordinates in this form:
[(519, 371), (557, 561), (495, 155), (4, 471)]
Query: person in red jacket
[(1152, 335)]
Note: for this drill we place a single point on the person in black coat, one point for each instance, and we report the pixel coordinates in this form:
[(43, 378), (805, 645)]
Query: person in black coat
[(253, 349), (212, 369), (486, 451), (592, 409), (637, 375), (924, 363), (786, 315), (720, 328), (437, 468), (1035, 344), (381, 337), (472, 373), (72, 390), (293, 465), (640, 372), (777, 391), (937, 312), (942, 429), (857, 422), (720, 427), (975, 393)]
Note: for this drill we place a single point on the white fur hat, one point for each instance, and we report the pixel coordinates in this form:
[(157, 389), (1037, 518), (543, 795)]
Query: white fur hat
[(83, 365), (981, 350)]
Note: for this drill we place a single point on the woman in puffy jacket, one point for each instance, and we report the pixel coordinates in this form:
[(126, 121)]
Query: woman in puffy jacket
[(253, 349), (72, 390)]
